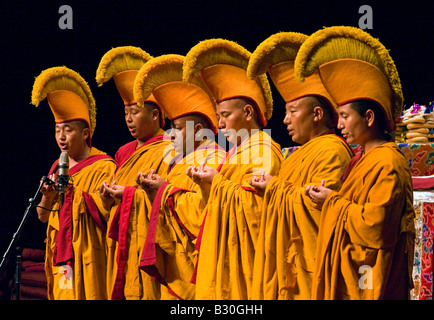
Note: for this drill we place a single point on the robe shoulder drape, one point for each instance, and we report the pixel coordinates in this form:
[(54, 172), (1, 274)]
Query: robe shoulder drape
[(75, 252), (169, 250), (128, 221), (228, 235), (287, 240), (365, 242)]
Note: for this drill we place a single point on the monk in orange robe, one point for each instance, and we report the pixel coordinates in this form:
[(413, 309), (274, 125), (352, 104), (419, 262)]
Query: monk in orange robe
[(366, 235), (121, 202), (227, 239), (75, 252), (167, 254), (285, 252)]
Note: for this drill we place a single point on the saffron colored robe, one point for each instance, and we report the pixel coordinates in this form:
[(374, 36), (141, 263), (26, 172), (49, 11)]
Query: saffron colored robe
[(128, 221), (285, 253), (228, 236), (177, 214), (366, 236), (75, 263)]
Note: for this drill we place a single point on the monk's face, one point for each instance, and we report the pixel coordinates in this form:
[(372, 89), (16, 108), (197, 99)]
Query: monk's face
[(140, 121), (233, 121), (299, 119), (71, 137), (352, 125), (178, 134)]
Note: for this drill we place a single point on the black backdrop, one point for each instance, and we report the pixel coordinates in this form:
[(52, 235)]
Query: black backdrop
[(32, 41)]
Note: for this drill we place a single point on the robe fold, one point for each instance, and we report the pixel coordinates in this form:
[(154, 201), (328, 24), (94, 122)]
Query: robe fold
[(366, 238), (285, 253), (75, 263), (128, 221), (227, 239), (177, 211)]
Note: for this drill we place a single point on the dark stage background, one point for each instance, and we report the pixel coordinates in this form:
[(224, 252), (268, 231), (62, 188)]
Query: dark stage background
[(32, 41)]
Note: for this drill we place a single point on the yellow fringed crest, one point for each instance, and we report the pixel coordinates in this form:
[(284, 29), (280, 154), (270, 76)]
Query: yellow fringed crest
[(276, 56), (280, 47), (120, 59), (57, 79), (160, 70), (162, 78), (218, 51), (214, 51), (343, 42)]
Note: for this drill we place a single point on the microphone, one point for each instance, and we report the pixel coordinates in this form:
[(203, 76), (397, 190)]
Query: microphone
[(63, 175)]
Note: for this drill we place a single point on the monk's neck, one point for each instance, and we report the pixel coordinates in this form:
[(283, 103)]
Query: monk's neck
[(141, 142), (323, 131), (76, 158), (372, 144), (245, 138)]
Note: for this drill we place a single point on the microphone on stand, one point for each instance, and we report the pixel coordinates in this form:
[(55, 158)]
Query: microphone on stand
[(63, 175)]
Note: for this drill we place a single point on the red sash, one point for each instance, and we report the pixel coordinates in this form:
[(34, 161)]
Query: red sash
[(148, 258), (119, 232), (63, 251)]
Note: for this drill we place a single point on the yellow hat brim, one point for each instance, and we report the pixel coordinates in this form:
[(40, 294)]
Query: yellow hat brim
[(161, 78), (122, 64), (223, 66), (341, 42), (68, 95)]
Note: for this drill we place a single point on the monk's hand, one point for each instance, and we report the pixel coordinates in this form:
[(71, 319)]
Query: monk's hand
[(116, 191), (142, 179), (150, 182), (106, 198), (153, 180), (201, 174), (49, 197), (318, 194), (48, 189), (260, 182)]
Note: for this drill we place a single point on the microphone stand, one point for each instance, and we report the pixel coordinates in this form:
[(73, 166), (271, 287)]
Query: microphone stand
[(16, 236)]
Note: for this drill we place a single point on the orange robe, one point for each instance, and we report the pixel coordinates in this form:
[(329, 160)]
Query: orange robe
[(75, 263), (365, 242), (286, 246), (177, 214), (128, 221), (228, 235)]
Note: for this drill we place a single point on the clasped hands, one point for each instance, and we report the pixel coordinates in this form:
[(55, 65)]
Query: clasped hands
[(204, 175), (260, 182), (109, 193), (317, 194), (149, 182)]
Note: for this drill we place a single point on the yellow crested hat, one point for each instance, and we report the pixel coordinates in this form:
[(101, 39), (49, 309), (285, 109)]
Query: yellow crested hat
[(68, 95), (276, 54), (222, 64), (122, 64), (353, 65), (162, 77)]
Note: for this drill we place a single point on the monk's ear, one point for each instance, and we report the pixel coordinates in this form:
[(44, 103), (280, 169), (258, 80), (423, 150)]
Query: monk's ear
[(318, 113), (249, 112), (155, 114), (85, 133), (370, 117), (198, 129)]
